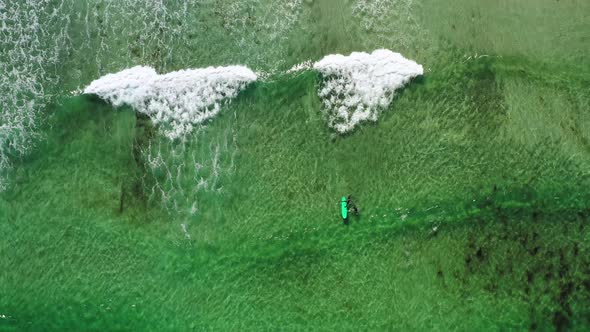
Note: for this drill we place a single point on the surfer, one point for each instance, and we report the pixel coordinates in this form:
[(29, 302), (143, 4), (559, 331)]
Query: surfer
[(351, 206), (346, 206)]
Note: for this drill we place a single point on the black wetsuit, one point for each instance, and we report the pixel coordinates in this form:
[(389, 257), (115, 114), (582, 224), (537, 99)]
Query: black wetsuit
[(351, 206)]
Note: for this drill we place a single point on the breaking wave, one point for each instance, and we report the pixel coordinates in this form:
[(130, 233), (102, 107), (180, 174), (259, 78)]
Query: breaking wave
[(354, 89), (177, 100), (357, 87)]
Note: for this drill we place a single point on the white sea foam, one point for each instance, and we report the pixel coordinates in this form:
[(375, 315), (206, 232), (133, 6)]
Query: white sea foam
[(357, 87), (308, 64), (32, 41), (178, 100)]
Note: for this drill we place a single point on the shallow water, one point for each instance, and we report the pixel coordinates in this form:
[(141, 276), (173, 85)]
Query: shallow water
[(111, 224)]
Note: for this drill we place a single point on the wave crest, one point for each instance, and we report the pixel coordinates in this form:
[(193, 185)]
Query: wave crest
[(357, 87), (178, 100)]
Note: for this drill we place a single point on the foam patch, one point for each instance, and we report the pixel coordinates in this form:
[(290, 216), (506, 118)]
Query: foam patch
[(177, 101), (358, 87)]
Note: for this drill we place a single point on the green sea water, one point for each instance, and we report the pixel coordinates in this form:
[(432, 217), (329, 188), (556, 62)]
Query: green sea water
[(473, 186)]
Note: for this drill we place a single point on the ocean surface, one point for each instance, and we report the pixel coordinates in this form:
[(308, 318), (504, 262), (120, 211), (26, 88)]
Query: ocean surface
[(178, 165)]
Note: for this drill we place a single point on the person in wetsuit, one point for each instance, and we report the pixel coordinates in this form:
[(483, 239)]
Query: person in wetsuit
[(346, 206), (351, 206)]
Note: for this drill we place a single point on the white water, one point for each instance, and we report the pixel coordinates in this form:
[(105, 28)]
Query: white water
[(355, 88), (33, 38), (358, 87), (178, 100)]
